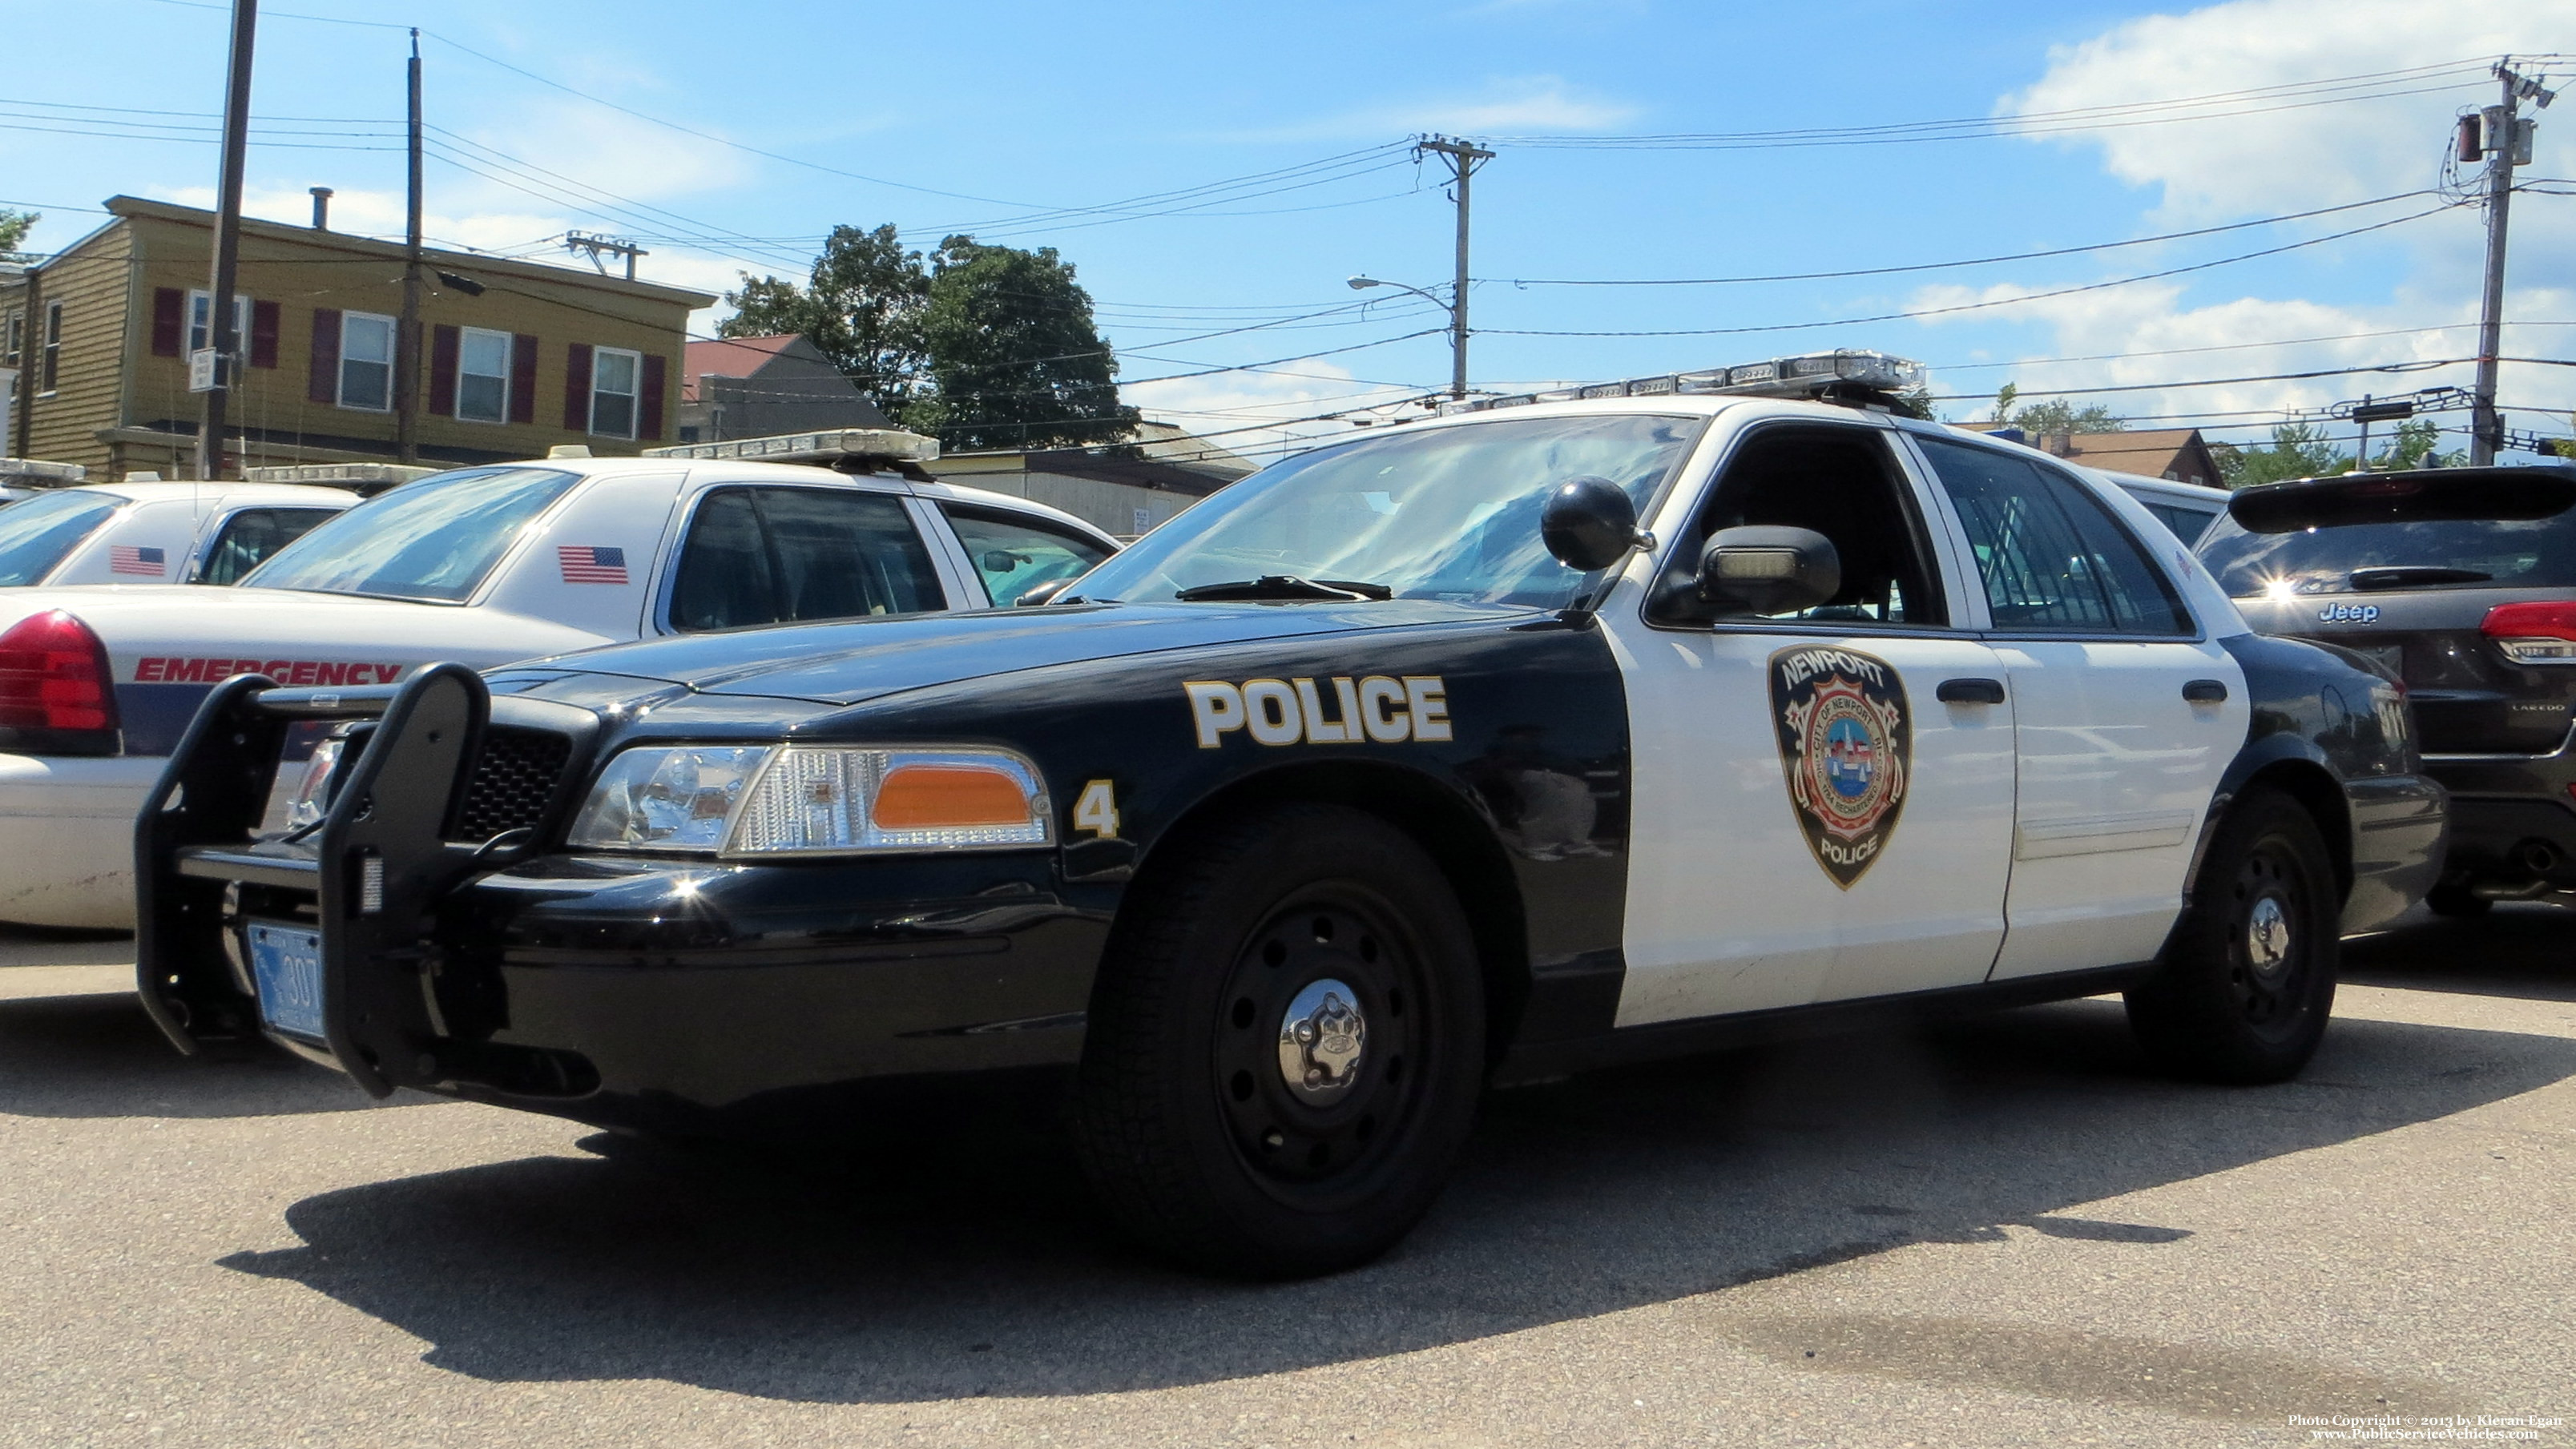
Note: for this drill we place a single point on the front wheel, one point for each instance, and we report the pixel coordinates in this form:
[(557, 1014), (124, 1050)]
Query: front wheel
[(2247, 981), (1286, 1045)]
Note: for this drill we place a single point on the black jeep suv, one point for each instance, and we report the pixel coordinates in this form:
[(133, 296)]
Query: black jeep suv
[(2461, 582)]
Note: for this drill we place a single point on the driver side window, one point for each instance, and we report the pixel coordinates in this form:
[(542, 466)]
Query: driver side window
[(1841, 482)]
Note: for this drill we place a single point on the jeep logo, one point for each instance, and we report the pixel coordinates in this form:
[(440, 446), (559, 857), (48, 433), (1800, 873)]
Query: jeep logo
[(2349, 614)]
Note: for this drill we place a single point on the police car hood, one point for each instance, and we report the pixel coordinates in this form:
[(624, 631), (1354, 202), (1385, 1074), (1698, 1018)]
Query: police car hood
[(869, 659)]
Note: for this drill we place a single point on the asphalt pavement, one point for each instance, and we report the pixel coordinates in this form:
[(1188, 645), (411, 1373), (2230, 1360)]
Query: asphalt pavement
[(2001, 1232)]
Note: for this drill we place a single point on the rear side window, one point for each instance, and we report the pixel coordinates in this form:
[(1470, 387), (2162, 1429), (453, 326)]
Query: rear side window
[(250, 536), (1014, 554), (2188, 524), (38, 534), (791, 555), (2051, 557)]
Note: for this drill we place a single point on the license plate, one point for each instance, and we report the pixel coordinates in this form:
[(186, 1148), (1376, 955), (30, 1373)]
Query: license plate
[(286, 965)]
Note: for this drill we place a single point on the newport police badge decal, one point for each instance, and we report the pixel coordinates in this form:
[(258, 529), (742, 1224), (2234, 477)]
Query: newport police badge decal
[(1847, 740)]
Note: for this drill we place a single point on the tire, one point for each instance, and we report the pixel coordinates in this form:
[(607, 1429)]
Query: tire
[(2452, 899), (2233, 1001), (1191, 1127)]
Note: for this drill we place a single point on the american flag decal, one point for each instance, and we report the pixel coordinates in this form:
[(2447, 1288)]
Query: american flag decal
[(126, 558), (588, 564)]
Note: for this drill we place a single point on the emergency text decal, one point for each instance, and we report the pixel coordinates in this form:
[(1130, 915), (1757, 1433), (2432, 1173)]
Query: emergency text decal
[(1342, 710), (174, 669), (1847, 740)]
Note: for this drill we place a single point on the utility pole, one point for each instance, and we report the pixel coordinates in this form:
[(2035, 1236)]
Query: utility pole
[(599, 247), (220, 331), (1463, 158), (2507, 144), (407, 336)]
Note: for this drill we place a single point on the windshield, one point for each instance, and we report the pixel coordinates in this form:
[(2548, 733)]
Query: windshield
[(2511, 553), (432, 540), (36, 534), (1439, 513)]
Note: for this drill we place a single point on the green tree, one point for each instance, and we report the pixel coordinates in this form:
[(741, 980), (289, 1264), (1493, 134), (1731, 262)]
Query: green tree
[(14, 226), (862, 306), (2413, 448), (2297, 451), (2056, 415), (1014, 352)]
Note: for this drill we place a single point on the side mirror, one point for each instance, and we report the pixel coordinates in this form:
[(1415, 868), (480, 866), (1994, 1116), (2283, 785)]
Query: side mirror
[(1769, 570), (1044, 593), (1588, 523)]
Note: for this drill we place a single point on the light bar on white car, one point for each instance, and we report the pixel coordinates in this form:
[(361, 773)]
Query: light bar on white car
[(891, 444), (742, 800), (39, 472), (338, 475), (1810, 375)]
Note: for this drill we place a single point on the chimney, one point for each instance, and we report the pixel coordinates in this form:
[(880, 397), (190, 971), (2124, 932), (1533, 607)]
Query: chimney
[(321, 208)]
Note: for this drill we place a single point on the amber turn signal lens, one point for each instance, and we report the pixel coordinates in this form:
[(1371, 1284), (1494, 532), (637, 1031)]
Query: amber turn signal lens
[(933, 797)]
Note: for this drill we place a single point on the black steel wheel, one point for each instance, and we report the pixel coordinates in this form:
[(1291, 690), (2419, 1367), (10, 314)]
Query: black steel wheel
[(2247, 981), (1285, 1045)]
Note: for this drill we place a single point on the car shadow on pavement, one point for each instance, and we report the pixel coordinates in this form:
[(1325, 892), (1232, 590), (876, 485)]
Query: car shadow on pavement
[(98, 1055), (902, 1276), (2518, 949)]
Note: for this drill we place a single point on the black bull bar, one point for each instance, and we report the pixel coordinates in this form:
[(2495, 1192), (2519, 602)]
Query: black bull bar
[(376, 865)]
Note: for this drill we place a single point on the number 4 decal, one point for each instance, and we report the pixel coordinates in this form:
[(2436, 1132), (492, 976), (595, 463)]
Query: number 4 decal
[(1097, 810)]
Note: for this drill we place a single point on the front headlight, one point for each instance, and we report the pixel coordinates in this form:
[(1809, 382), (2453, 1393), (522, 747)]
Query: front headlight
[(754, 800)]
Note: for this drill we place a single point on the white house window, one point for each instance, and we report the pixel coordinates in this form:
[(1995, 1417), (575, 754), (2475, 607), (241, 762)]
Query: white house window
[(50, 364), (483, 376), (613, 375), (366, 361), (201, 311)]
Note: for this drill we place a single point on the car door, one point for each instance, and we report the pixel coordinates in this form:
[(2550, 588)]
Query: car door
[(1814, 819), (2125, 714)]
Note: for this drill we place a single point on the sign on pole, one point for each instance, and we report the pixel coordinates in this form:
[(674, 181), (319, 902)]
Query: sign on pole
[(201, 370)]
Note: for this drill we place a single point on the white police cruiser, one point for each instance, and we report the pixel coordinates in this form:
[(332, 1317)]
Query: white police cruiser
[(480, 565), (1559, 731)]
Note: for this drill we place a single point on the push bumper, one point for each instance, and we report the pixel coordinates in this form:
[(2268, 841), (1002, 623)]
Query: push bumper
[(680, 994), (67, 838)]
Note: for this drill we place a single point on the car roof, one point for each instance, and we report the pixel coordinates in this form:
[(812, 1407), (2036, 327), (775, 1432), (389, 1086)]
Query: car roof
[(2173, 488), (730, 470), (309, 495)]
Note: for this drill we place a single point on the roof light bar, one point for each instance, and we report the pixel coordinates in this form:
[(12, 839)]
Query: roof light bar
[(338, 475), (1815, 374), (891, 444), (40, 472)]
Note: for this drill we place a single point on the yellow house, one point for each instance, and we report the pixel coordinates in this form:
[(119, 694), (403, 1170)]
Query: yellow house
[(514, 357)]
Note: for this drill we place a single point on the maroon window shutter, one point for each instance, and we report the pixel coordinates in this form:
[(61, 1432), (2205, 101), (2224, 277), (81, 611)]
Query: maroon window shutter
[(577, 388), (648, 424), (263, 334), (325, 383), (169, 320), (523, 378), (443, 343)]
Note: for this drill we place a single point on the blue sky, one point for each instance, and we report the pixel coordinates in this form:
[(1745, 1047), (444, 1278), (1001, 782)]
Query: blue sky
[(974, 116)]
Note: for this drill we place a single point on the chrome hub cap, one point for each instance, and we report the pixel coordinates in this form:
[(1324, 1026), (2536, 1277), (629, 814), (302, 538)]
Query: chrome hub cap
[(1321, 1038), (2267, 937)]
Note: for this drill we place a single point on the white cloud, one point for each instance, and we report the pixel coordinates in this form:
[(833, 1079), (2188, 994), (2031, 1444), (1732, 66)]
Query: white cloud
[(2271, 161), (1506, 104), (1261, 412)]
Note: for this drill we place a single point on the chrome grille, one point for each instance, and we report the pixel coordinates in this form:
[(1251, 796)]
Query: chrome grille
[(513, 778)]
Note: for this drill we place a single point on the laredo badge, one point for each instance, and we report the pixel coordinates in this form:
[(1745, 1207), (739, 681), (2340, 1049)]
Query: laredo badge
[(1847, 739)]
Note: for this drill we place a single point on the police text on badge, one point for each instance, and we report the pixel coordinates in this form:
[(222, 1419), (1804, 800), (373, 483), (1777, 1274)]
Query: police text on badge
[(1341, 710)]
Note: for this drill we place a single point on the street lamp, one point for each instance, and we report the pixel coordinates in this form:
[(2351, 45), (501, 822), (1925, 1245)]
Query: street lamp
[(1457, 327)]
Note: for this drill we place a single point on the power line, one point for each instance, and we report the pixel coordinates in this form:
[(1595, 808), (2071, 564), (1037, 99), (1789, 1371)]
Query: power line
[(1920, 312)]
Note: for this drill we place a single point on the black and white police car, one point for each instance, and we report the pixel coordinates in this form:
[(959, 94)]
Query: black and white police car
[(1551, 733)]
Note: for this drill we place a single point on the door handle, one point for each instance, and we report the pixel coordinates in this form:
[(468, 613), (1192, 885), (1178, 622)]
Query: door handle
[(1971, 691), (2205, 691)]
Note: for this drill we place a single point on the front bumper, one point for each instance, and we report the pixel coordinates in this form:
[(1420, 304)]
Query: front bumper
[(669, 993)]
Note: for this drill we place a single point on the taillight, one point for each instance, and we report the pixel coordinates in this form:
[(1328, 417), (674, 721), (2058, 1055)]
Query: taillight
[(54, 681), (2541, 632)]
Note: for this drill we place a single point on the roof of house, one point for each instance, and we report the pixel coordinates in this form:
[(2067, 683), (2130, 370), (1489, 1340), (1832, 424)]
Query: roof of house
[(2153, 452), (123, 207), (729, 357), (1170, 443)]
